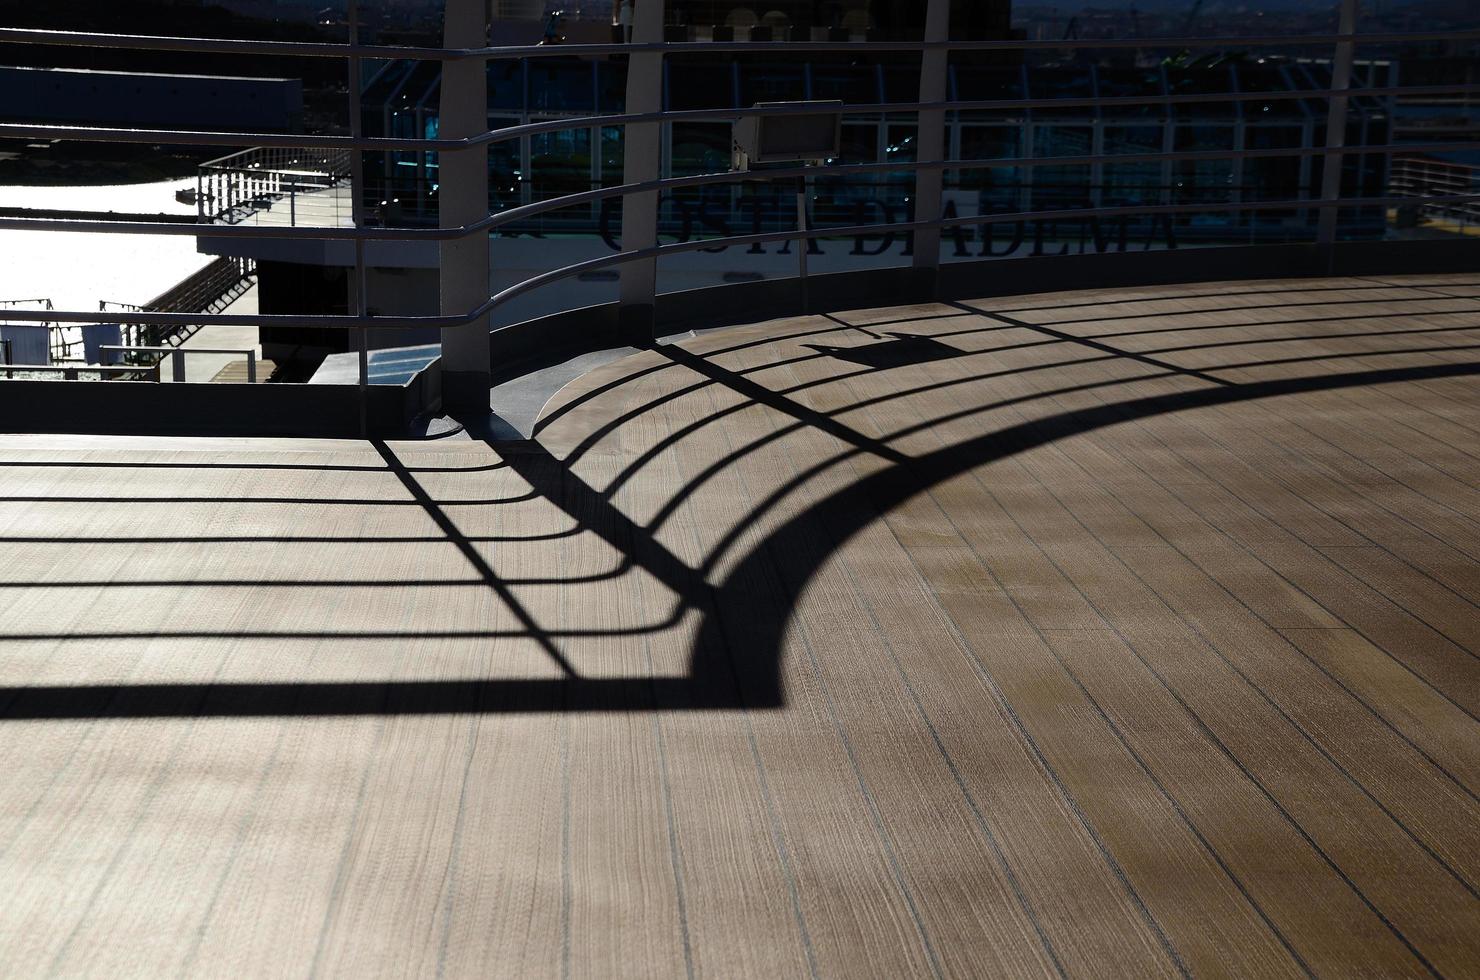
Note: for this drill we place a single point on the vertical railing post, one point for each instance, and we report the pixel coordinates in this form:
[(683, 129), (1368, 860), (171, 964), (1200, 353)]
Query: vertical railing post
[(357, 217), (595, 138), (803, 245), (463, 199), (177, 365), (251, 367), (1236, 174), (1097, 171), (641, 162), (934, 77), (1341, 76)]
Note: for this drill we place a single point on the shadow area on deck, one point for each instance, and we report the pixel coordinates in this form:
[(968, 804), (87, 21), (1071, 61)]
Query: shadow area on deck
[(735, 656)]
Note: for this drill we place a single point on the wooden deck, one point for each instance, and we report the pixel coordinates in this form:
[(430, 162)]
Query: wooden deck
[(1117, 633)]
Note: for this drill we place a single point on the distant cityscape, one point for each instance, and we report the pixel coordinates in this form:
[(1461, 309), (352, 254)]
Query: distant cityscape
[(1037, 20)]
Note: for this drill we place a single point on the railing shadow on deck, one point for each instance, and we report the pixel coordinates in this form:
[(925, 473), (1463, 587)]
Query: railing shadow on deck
[(735, 656)]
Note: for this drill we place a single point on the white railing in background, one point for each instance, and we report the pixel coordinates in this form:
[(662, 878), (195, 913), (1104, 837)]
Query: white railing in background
[(177, 358), (241, 186), (1436, 184)]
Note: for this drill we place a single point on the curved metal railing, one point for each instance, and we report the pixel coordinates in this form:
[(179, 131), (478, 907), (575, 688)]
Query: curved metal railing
[(1337, 95)]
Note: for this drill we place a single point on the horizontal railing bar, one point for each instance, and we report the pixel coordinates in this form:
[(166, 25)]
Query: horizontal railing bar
[(69, 368), (511, 215), (100, 134), (144, 349), (658, 251), (103, 134), (847, 231), (537, 208), (221, 160), (307, 49)]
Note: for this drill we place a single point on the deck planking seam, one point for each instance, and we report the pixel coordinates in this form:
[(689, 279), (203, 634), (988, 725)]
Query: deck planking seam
[(1269, 795), (871, 804), (1307, 465), (968, 649), (1207, 731), (1317, 745), (1314, 550), (1386, 722), (1313, 466), (1304, 592), (1005, 705), (791, 428), (91, 731)]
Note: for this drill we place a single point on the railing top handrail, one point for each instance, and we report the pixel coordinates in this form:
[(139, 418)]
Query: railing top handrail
[(209, 138), (221, 160), (309, 49), (110, 368), (17, 302), (1423, 158), (228, 161)]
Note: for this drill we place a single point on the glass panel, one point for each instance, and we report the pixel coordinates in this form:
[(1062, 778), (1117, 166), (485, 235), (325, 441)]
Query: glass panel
[(771, 81), (700, 83), (854, 82), (506, 85), (611, 86), (853, 199), (999, 186), (560, 163), (976, 83), (561, 86), (1131, 183), (503, 167), (1062, 83), (700, 148), (1062, 141), (1262, 75), (1208, 74), (1202, 180), (1129, 83)]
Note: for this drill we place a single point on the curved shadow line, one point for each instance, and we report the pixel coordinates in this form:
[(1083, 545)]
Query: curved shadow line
[(644, 372), (793, 547), (1269, 306), (308, 467), (618, 571), (1250, 342), (677, 435), (1251, 292), (594, 437), (284, 539), (1354, 317), (722, 547), (735, 661), (1239, 292), (277, 501)]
